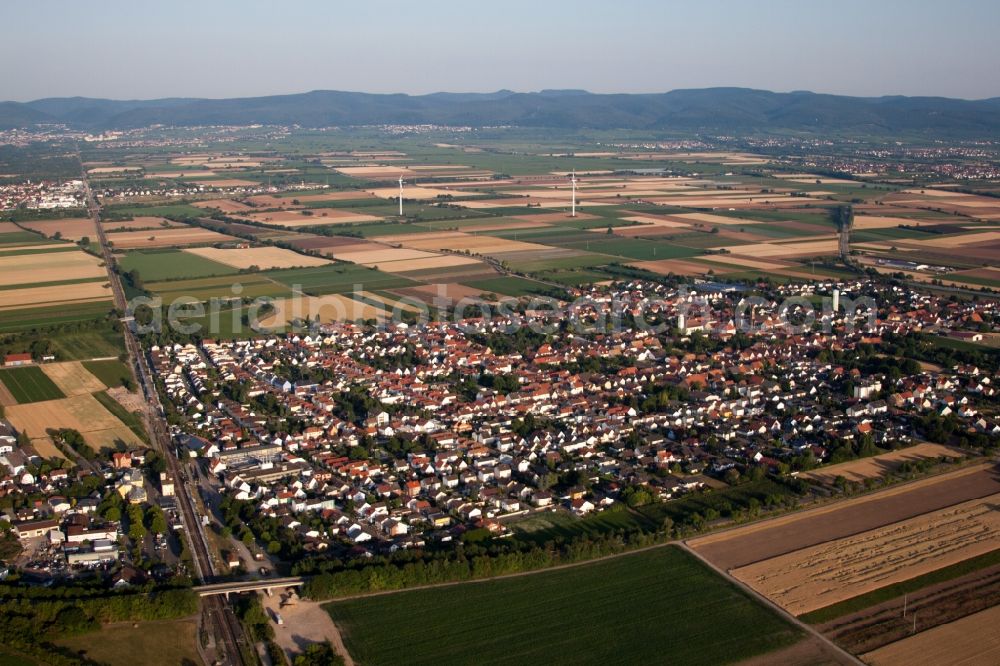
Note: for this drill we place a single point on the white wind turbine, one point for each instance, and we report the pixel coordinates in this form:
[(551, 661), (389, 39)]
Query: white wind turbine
[(573, 209), (401, 195)]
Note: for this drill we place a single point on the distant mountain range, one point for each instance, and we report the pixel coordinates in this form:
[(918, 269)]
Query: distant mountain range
[(739, 110)]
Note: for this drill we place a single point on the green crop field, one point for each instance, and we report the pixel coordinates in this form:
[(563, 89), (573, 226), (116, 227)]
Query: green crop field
[(170, 210), (640, 249), (53, 283), (574, 278), (98, 342), (29, 384), (250, 285), (658, 606), (10, 239), (172, 264), (337, 279), (30, 318), (508, 286), (112, 373), (578, 260), (375, 229), (11, 251)]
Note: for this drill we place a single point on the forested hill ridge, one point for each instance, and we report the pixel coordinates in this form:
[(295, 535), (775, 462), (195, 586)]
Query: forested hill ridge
[(739, 110)]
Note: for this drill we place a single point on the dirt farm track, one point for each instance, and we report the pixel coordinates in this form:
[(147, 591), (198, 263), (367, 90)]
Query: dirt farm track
[(745, 545)]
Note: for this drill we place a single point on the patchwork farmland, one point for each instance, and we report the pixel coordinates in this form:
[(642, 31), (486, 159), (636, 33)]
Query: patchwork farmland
[(846, 567)]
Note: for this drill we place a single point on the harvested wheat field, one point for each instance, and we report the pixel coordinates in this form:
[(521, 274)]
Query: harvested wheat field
[(502, 224), (970, 641), (457, 241), (86, 292), (320, 216), (382, 255), (98, 426), (347, 195), (261, 257), (447, 292), (436, 261), (27, 269), (769, 538), (876, 466), (72, 378), (708, 218), (819, 576), (792, 249), (746, 262), (96, 171), (70, 228), (6, 397), (333, 307), (46, 448), (416, 193), (862, 222), (376, 172), (552, 218), (127, 240), (964, 239)]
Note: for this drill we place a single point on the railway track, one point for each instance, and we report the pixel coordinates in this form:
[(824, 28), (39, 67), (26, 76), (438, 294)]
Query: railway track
[(216, 609)]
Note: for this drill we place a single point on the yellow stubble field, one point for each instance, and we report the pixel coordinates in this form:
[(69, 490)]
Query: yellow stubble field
[(29, 269), (262, 257), (72, 378), (821, 575), (83, 412)]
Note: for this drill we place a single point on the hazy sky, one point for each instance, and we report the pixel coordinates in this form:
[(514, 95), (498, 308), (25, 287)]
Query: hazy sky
[(223, 48)]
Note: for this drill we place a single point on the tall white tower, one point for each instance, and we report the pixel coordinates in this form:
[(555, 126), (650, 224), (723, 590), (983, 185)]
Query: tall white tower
[(573, 209), (836, 300), (401, 195)]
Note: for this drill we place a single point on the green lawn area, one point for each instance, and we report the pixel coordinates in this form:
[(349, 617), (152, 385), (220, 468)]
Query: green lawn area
[(160, 643), (29, 384), (658, 606), (111, 373), (82, 345), (171, 264), (337, 279)]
